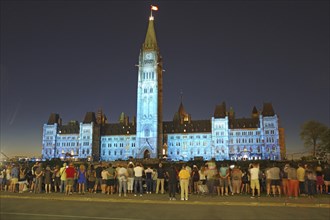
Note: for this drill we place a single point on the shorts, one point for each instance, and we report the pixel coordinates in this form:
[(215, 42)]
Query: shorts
[(104, 182), (69, 181), (255, 184), (223, 182), (14, 180), (275, 182), (98, 181), (110, 182), (216, 182)]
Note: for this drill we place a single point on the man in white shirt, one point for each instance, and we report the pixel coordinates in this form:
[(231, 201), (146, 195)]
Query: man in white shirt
[(122, 178), (138, 172), (255, 185)]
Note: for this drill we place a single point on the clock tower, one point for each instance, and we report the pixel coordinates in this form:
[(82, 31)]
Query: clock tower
[(149, 116)]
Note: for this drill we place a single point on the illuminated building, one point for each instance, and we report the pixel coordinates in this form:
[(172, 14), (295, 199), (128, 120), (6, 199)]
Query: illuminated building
[(223, 137)]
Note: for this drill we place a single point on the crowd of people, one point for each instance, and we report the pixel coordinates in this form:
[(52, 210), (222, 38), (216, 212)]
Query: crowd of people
[(291, 180)]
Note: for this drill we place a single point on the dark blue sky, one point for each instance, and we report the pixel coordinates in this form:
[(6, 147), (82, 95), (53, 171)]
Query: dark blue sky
[(71, 57)]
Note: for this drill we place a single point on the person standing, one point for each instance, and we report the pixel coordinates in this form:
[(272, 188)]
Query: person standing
[(48, 179), (130, 178), (301, 179), (122, 179), (154, 180), (70, 173), (91, 176), (284, 177), (184, 176), (254, 175), (224, 175), (57, 178), (138, 172), (319, 180), (160, 178), (326, 173), (63, 178), (236, 175), (98, 177), (195, 178), (275, 181), (39, 174), (212, 175), (104, 175), (293, 182), (172, 176), (111, 179), (7, 177), (148, 172), (81, 176), (310, 181), (14, 178), (2, 178)]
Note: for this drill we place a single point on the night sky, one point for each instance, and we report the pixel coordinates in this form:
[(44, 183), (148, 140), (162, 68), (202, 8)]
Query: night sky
[(71, 57)]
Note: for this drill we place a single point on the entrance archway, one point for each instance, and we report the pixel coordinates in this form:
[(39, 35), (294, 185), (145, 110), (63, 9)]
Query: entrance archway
[(146, 154)]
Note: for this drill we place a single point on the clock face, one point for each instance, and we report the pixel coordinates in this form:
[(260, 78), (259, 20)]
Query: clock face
[(149, 56)]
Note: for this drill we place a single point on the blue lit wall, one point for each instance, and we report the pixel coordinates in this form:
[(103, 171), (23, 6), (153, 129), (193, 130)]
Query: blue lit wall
[(189, 145), (220, 138), (228, 144), (67, 143), (114, 147), (58, 145), (270, 135), (49, 141), (85, 140), (147, 105), (221, 143)]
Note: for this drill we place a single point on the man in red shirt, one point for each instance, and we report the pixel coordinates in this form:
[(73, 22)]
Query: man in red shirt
[(70, 172)]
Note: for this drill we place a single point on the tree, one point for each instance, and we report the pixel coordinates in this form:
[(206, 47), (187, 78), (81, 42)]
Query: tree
[(314, 135), (325, 143)]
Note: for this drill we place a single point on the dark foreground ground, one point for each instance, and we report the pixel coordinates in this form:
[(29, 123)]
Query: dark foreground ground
[(97, 206)]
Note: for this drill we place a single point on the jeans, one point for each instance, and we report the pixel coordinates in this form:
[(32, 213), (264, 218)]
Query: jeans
[(138, 180), (122, 185), (311, 187), (149, 185), (62, 186), (154, 184), (172, 189), (302, 187)]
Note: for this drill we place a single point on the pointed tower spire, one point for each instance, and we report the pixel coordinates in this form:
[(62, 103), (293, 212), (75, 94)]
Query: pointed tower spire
[(150, 42)]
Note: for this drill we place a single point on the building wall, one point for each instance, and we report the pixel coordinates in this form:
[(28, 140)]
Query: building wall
[(85, 140), (220, 138), (186, 146), (49, 141), (114, 147)]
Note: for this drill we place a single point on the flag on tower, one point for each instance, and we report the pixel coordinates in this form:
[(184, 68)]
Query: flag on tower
[(154, 8)]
